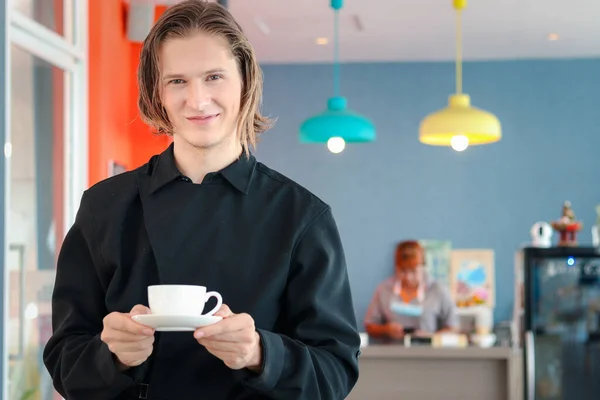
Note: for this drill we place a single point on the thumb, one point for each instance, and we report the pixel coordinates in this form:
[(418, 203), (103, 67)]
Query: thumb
[(139, 309), (224, 311)]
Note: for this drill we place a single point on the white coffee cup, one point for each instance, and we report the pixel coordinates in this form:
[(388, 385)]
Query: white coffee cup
[(181, 300)]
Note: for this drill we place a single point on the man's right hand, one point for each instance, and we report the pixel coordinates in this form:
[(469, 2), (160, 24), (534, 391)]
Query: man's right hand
[(395, 330), (130, 342)]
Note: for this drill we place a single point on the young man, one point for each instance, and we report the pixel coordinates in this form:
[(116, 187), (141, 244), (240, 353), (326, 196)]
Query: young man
[(204, 212)]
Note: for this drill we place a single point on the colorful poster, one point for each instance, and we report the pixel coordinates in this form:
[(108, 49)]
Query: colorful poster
[(437, 260), (472, 277)]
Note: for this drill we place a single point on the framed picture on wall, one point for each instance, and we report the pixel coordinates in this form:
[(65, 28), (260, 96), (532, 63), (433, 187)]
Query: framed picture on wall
[(437, 260), (472, 277)]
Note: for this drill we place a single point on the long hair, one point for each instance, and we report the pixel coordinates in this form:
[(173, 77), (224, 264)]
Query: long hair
[(185, 19)]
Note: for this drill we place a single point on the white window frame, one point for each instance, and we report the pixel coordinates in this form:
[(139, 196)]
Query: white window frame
[(69, 53)]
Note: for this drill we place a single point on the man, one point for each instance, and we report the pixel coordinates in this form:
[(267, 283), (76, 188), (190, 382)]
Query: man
[(204, 212)]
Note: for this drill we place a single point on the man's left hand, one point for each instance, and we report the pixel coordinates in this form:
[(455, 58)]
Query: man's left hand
[(233, 340)]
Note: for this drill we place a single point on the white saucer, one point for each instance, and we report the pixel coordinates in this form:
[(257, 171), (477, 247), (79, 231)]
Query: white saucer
[(175, 323)]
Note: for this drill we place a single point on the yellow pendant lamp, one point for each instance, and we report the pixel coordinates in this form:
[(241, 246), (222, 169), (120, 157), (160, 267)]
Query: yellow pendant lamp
[(459, 125)]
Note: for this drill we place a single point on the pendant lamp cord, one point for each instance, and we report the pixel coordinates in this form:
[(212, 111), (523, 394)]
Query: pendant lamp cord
[(458, 51), (336, 54)]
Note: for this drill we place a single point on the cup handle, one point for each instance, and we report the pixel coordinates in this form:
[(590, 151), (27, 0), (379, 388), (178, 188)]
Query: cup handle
[(219, 302)]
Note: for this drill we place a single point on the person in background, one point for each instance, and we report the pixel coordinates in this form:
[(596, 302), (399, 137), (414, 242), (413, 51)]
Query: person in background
[(409, 301)]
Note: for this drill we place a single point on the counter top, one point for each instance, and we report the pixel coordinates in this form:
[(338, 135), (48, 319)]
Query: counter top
[(392, 371), (472, 352)]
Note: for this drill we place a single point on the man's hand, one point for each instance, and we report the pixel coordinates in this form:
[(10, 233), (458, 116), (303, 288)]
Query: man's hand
[(233, 340), (130, 342)]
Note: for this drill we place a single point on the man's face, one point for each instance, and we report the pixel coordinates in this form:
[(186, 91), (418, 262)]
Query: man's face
[(201, 90)]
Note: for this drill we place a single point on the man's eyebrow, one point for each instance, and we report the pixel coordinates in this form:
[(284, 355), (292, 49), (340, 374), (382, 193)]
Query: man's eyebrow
[(179, 76)]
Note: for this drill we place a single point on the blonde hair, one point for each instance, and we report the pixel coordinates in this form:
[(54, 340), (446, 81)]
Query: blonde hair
[(185, 19)]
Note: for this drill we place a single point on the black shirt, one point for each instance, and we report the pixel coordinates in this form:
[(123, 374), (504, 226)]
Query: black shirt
[(267, 245)]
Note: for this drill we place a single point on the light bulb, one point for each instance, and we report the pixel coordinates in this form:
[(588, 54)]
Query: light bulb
[(336, 144), (459, 142)]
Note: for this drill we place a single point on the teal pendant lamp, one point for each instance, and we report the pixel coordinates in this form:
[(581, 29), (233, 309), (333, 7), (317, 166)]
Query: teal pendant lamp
[(337, 123)]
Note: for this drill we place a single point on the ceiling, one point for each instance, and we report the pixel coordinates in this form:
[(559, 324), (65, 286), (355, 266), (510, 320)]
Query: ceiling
[(285, 31)]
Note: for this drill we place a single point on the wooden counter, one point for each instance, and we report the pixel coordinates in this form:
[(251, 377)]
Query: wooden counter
[(426, 373)]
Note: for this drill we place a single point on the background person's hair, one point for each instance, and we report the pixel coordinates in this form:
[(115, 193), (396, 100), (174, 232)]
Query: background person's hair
[(409, 254)]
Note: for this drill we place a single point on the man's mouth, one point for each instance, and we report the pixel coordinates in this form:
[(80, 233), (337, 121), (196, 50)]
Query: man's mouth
[(203, 119)]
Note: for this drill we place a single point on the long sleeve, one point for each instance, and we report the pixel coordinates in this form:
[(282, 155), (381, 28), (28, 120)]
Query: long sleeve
[(317, 355), (448, 315), (374, 314), (81, 365)]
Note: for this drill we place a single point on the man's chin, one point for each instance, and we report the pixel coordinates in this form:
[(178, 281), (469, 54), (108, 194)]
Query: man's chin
[(207, 144), (204, 139)]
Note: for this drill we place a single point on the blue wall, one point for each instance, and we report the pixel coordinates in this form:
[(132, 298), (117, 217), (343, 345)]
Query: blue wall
[(397, 188)]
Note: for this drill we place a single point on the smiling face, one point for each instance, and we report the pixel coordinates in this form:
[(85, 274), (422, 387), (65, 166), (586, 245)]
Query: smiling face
[(213, 73), (201, 87)]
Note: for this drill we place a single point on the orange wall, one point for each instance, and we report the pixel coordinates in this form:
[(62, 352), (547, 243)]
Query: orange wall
[(115, 130), (145, 143)]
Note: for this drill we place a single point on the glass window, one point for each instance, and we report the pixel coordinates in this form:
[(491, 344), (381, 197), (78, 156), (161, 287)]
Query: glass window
[(35, 224), (56, 15)]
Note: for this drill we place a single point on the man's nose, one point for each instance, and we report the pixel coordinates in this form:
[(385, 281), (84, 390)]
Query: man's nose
[(197, 95)]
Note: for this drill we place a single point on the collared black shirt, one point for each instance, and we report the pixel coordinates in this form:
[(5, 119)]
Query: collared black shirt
[(269, 246)]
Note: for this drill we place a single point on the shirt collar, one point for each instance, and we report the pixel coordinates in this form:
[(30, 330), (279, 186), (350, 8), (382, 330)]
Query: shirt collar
[(240, 172), (163, 170)]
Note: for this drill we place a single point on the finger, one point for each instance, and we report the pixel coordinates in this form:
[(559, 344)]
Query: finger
[(215, 329), (223, 347), (224, 311), (221, 355), (118, 347), (136, 363), (134, 359), (232, 359), (225, 354), (139, 309), (231, 324), (124, 323), (110, 335), (241, 336)]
